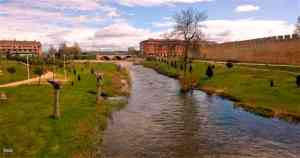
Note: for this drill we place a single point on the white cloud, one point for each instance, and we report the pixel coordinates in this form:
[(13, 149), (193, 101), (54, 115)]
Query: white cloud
[(165, 24), (121, 36), (48, 22), (243, 29), (247, 8), (156, 2)]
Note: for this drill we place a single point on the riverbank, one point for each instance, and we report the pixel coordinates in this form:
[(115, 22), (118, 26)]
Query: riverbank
[(248, 86), (27, 129)]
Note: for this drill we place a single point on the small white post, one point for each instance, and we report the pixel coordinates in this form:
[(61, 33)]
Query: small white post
[(53, 67), (28, 71), (65, 67)]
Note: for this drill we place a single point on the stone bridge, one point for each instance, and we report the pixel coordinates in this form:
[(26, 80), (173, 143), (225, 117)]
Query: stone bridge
[(114, 57)]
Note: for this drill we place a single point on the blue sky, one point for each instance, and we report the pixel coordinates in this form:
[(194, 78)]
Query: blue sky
[(118, 24)]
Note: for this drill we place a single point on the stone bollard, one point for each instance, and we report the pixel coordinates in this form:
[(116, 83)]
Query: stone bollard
[(56, 106), (3, 97), (99, 79)]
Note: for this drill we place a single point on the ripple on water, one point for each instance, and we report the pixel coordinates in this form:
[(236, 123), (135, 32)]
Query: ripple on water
[(160, 123)]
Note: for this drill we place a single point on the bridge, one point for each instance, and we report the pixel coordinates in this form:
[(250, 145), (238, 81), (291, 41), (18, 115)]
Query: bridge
[(113, 56)]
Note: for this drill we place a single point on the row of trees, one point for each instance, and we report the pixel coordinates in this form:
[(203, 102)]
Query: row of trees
[(64, 49)]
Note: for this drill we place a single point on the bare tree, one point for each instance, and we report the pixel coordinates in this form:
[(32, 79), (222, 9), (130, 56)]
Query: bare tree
[(297, 30), (188, 25), (52, 51)]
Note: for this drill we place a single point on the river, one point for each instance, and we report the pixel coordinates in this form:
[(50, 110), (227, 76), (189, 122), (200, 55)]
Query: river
[(159, 122)]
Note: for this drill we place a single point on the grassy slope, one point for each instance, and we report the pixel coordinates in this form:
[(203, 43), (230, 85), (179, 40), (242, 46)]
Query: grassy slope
[(249, 85), (26, 127), (5, 77)]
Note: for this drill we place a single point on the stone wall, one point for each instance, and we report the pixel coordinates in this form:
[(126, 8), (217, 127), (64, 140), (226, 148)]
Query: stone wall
[(272, 50)]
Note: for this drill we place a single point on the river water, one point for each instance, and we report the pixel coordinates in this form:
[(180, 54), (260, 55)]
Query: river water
[(159, 122)]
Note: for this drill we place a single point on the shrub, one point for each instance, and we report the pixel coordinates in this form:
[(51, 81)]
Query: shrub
[(74, 72), (229, 65), (272, 84), (78, 77), (92, 71), (298, 80), (11, 70), (191, 68), (209, 72), (39, 71)]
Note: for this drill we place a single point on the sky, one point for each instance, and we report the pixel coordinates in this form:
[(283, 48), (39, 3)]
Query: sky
[(119, 24)]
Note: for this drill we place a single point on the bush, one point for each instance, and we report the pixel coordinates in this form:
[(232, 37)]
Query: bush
[(74, 72), (11, 70), (272, 84), (38, 70), (298, 80), (229, 65), (209, 72), (78, 77), (191, 69)]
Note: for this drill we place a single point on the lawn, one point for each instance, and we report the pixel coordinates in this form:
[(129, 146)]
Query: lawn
[(27, 128), (6, 77), (249, 86)]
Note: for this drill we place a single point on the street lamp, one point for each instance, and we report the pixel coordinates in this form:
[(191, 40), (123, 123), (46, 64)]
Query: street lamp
[(28, 71)]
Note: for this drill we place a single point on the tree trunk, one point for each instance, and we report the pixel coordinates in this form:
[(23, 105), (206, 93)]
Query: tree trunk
[(56, 106)]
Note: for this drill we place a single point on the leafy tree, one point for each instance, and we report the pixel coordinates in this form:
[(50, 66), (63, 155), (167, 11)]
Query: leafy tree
[(12, 70), (209, 72), (39, 71)]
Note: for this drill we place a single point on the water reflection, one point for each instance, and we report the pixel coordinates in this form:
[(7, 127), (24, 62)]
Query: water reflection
[(160, 122)]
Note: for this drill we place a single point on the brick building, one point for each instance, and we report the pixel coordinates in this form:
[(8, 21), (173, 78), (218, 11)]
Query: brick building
[(20, 47), (162, 48)]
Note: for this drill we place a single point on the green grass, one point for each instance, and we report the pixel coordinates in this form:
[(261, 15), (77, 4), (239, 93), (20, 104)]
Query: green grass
[(5, 77), (27, 128), (162, 68), (249, 85)]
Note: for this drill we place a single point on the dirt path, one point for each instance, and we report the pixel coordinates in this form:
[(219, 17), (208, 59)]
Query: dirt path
[(48, 75)]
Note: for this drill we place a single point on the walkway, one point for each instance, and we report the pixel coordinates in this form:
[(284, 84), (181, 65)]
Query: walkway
[(48, 75)]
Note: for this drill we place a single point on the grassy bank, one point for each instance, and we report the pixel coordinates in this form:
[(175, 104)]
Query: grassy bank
[(27, 128), (6, 77), (248, 86)]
